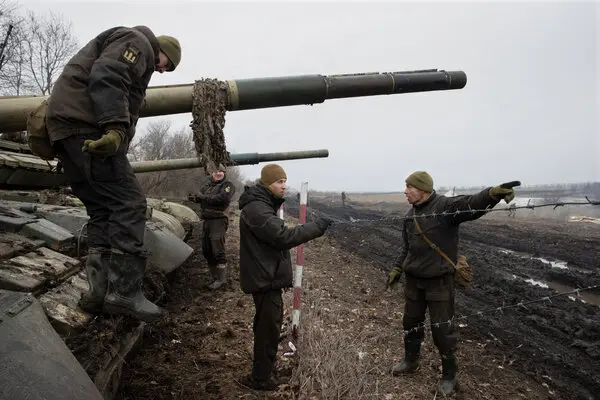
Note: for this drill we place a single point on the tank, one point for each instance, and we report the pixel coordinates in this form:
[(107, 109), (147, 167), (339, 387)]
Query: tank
[(42, 238)]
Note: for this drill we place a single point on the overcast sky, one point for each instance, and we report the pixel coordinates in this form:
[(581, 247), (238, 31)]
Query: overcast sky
[(529, 110)]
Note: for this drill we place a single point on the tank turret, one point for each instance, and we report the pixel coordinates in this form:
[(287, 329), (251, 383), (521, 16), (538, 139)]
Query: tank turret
[(246, 94)]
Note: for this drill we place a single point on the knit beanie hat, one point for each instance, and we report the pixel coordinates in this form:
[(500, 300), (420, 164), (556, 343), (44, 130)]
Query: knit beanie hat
[(421, 180), (271, 173), (171, 47)]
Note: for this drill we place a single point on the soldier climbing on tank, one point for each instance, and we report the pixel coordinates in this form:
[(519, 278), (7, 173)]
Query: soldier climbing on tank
[(91, 119), (214, 198)]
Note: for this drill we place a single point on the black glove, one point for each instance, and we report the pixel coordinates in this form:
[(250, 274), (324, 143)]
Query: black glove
[(196, 197), (324, 223)]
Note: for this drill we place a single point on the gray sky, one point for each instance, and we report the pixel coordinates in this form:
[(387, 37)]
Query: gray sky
[(529, 110)]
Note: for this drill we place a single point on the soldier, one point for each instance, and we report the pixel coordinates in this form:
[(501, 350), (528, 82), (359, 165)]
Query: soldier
[(429, 276), (91, 119), (214, 198), (266, 266)]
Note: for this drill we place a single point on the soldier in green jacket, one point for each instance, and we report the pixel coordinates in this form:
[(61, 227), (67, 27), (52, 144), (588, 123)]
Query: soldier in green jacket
[(92, 114), (214, 197), (429, 274)]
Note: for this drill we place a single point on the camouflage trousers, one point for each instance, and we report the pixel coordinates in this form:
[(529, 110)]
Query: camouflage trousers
[(213, 240), (110, 191), (437, 294)]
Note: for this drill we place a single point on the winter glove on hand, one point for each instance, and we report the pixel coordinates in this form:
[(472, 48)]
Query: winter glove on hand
[(323, 223), (196, 197), (394, 277), (107, 145), (504, 191)]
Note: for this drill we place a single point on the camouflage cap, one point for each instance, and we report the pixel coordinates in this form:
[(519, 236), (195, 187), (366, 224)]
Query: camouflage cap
[(172, 49)]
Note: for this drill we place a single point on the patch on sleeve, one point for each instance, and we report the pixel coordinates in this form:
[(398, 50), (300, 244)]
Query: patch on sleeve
[(130, 55), (228, 189)]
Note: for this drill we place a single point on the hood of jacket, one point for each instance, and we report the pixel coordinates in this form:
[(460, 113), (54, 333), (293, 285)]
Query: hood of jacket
[(259, 192), (151, 38)]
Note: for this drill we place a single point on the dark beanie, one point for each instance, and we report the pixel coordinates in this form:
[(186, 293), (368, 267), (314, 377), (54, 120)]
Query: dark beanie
[(271, 173), (421, 180)]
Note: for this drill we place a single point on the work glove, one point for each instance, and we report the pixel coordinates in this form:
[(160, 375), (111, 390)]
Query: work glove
[(394, 278), (504, 191), (107, 145), (323, 223), (196, 197)]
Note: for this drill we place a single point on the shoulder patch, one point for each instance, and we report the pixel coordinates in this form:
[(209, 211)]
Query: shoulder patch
[(228, 189), (130, 55)]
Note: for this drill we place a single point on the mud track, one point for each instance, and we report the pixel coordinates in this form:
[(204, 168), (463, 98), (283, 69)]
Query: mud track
[(556, 342)]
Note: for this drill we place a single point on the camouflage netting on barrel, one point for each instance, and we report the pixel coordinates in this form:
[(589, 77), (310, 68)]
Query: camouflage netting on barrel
[(208, 110)]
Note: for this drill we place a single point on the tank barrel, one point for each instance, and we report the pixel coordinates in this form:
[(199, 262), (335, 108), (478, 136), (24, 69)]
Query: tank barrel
[(237, 159), (246, 94)]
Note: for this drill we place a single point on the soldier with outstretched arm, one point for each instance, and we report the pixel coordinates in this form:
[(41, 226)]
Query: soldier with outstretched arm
[(428, 260)]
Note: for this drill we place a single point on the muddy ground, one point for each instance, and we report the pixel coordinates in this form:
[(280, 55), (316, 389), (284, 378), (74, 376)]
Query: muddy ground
[(350, 334)]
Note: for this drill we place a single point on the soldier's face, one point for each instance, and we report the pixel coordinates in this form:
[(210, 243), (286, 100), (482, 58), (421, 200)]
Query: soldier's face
[(163, 62), (414, 195), (218, 175), (278, 187)]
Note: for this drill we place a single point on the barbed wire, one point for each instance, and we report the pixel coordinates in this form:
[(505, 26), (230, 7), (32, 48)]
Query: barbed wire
[(521, 303), (470, 210)]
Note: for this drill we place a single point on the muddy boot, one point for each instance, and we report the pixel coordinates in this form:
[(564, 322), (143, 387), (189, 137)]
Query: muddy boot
[(213, 273), (221, 277), (267, 385), (448, 383), (124, 295), (410, 363), (96, 269)]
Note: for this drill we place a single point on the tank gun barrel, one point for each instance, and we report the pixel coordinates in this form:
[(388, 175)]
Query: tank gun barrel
[(246, 94), (237, 159)]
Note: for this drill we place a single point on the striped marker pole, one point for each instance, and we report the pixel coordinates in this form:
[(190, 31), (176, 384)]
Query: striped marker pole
[(297, 301)]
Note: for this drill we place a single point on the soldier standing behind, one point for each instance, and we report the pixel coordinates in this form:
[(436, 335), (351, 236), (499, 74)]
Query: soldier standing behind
[(266, 265), (429, 276), (214, 198), (91, 119)]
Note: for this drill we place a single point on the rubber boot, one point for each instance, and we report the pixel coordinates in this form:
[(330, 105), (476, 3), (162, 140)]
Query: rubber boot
[(96, 269), (410, 363), (213, 274), (448, 383), (221, 277), (124, 295)]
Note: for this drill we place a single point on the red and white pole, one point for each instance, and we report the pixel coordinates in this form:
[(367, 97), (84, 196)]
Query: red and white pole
[(297, 301)]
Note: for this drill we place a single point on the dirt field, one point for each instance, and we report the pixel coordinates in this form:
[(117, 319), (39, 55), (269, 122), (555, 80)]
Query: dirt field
[(350, 334)]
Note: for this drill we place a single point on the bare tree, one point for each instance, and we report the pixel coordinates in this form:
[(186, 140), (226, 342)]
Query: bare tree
[(50, 45), (36, 52), (159, 143)]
